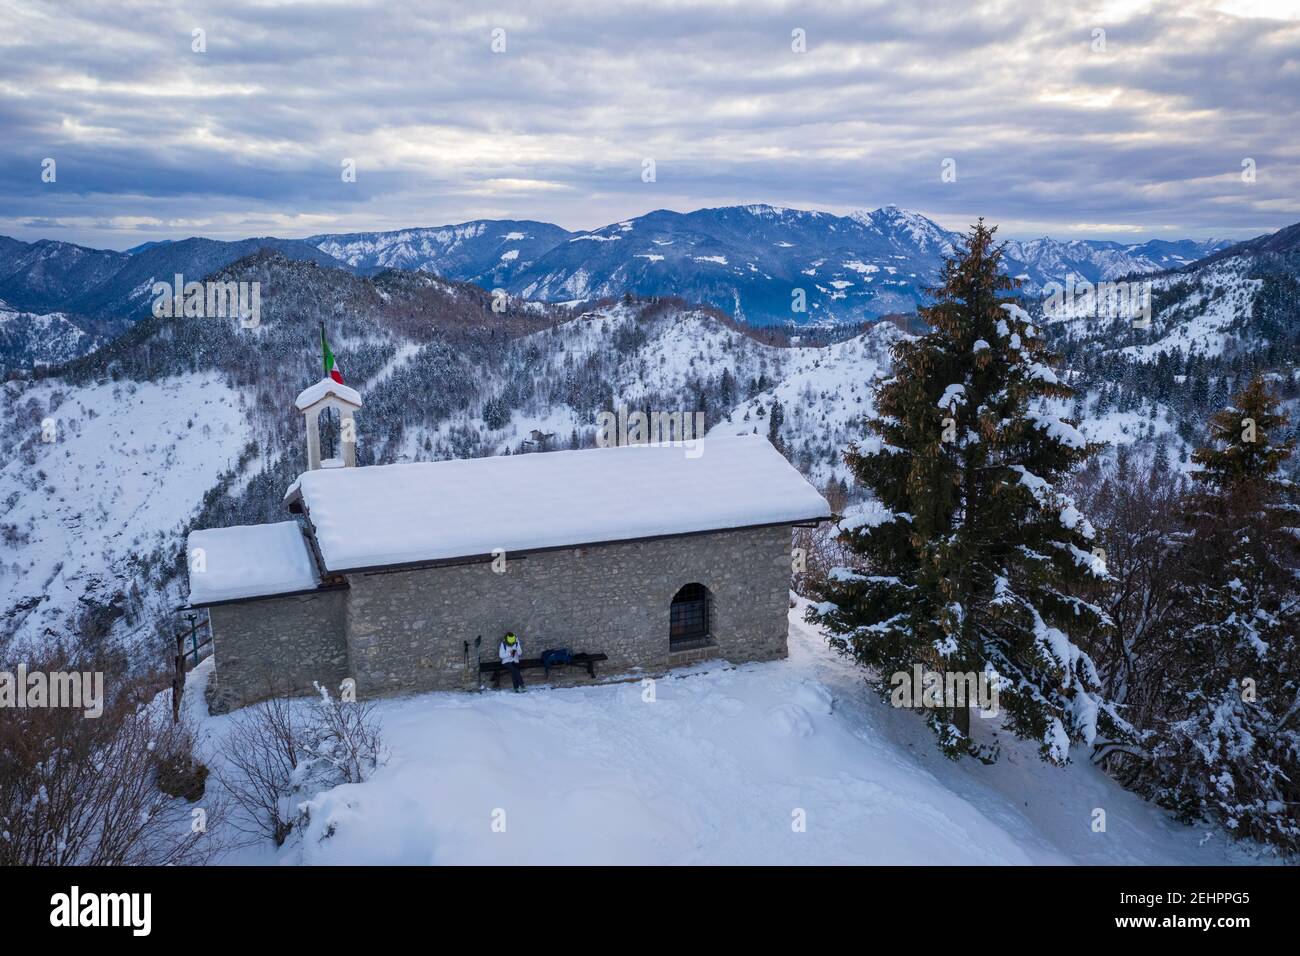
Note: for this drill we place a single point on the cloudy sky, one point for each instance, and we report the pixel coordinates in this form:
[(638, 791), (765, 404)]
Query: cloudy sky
[(1054, 127)]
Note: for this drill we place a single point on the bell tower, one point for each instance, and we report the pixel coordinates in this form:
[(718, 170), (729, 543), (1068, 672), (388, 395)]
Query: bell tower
[(313, 400)]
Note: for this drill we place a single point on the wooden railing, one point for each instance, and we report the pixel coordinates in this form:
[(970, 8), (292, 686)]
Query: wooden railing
[(190, 644)]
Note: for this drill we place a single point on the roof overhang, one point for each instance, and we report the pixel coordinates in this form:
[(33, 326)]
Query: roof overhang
[(205, 605), (458, 560)]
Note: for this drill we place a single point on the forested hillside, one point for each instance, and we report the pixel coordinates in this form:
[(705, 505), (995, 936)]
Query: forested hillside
[(443, 375)]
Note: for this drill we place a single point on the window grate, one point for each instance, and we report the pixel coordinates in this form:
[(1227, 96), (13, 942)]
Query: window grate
[(688, 619)]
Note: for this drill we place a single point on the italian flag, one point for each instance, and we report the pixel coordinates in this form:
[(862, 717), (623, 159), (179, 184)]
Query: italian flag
[(331, 367)]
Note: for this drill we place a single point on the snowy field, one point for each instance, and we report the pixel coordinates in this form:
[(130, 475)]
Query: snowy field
[(130, 464), (714, 771)]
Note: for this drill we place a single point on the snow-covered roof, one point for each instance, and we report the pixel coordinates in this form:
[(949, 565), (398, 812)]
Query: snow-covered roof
[(249, 561), (312, 394), (430, 511)]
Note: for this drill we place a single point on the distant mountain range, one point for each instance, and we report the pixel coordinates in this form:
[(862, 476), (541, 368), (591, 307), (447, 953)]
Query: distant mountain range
[(763, 264), (489, 252), (111, 289), (757, 262)]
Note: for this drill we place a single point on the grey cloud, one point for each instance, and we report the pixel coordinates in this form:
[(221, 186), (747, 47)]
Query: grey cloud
[(153, 140)]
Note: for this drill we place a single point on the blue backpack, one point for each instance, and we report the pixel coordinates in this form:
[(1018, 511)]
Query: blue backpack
[(555, 656)]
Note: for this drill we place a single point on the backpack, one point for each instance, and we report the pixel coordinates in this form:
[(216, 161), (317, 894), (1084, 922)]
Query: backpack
[(556, 656)]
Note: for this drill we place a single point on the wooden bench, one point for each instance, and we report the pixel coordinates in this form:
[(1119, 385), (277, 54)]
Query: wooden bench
[(496, 668)]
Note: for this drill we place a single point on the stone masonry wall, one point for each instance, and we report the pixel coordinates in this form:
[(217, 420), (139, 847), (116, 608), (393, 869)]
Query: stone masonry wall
[(282, 641), (406, 628), (403, 631)]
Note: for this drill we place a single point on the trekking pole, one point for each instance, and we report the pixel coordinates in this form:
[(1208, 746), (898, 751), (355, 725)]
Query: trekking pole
[(478, 653)]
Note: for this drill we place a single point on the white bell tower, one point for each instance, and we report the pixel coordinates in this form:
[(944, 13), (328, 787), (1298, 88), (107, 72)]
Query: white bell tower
[(313, 400)]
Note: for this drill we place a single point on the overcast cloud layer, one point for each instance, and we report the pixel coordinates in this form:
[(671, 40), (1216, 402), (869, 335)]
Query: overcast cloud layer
[(1050, 135)]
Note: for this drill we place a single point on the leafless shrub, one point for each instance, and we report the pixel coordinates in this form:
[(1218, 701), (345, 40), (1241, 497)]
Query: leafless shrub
[(820, 548), (83, 791), (282, 750), (179, 772), (262, 750), (346, 742)]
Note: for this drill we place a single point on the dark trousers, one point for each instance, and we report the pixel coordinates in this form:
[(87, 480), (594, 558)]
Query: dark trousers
[(515, 677)]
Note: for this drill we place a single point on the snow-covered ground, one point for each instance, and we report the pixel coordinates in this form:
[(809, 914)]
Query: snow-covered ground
[(128, 463), (1200, 312), (825, 391), (719, 768), (43, 339)]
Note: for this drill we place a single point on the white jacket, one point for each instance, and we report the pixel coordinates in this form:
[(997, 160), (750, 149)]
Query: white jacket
[(511, 655)]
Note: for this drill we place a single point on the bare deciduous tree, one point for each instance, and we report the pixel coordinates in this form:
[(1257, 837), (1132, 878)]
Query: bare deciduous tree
[(1138, 517)]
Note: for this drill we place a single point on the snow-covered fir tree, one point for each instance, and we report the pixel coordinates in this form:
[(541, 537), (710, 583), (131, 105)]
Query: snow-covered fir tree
[(968, 555), (1229, 748), (775, 420)]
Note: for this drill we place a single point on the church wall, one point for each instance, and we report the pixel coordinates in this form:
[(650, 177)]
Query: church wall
[(406, 628), (280, 642)]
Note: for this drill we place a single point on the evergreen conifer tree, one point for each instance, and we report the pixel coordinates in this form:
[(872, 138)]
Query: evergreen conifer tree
[(775, 419), (1251, 455), (969, 556), (1229, 745), (727, 391)]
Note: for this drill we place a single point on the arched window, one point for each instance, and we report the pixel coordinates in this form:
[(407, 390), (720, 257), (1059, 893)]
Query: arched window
[(688, 617)]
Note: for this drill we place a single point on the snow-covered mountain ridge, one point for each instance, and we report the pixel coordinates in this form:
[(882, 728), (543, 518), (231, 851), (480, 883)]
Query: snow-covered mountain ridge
[(29, 340), (764, 264), (760, 263), (487, 252)]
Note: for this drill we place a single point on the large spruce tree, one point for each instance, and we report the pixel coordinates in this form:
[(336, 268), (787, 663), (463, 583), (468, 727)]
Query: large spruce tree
[(968, 555), (1228, 746)]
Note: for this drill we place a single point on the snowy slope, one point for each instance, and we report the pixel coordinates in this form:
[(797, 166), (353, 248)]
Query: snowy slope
[(1207, 328), (662, 355), (489, 252), (28, 339), (825, 394), (825, 390), (1194, 312), (713, 771), (131, 462)]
